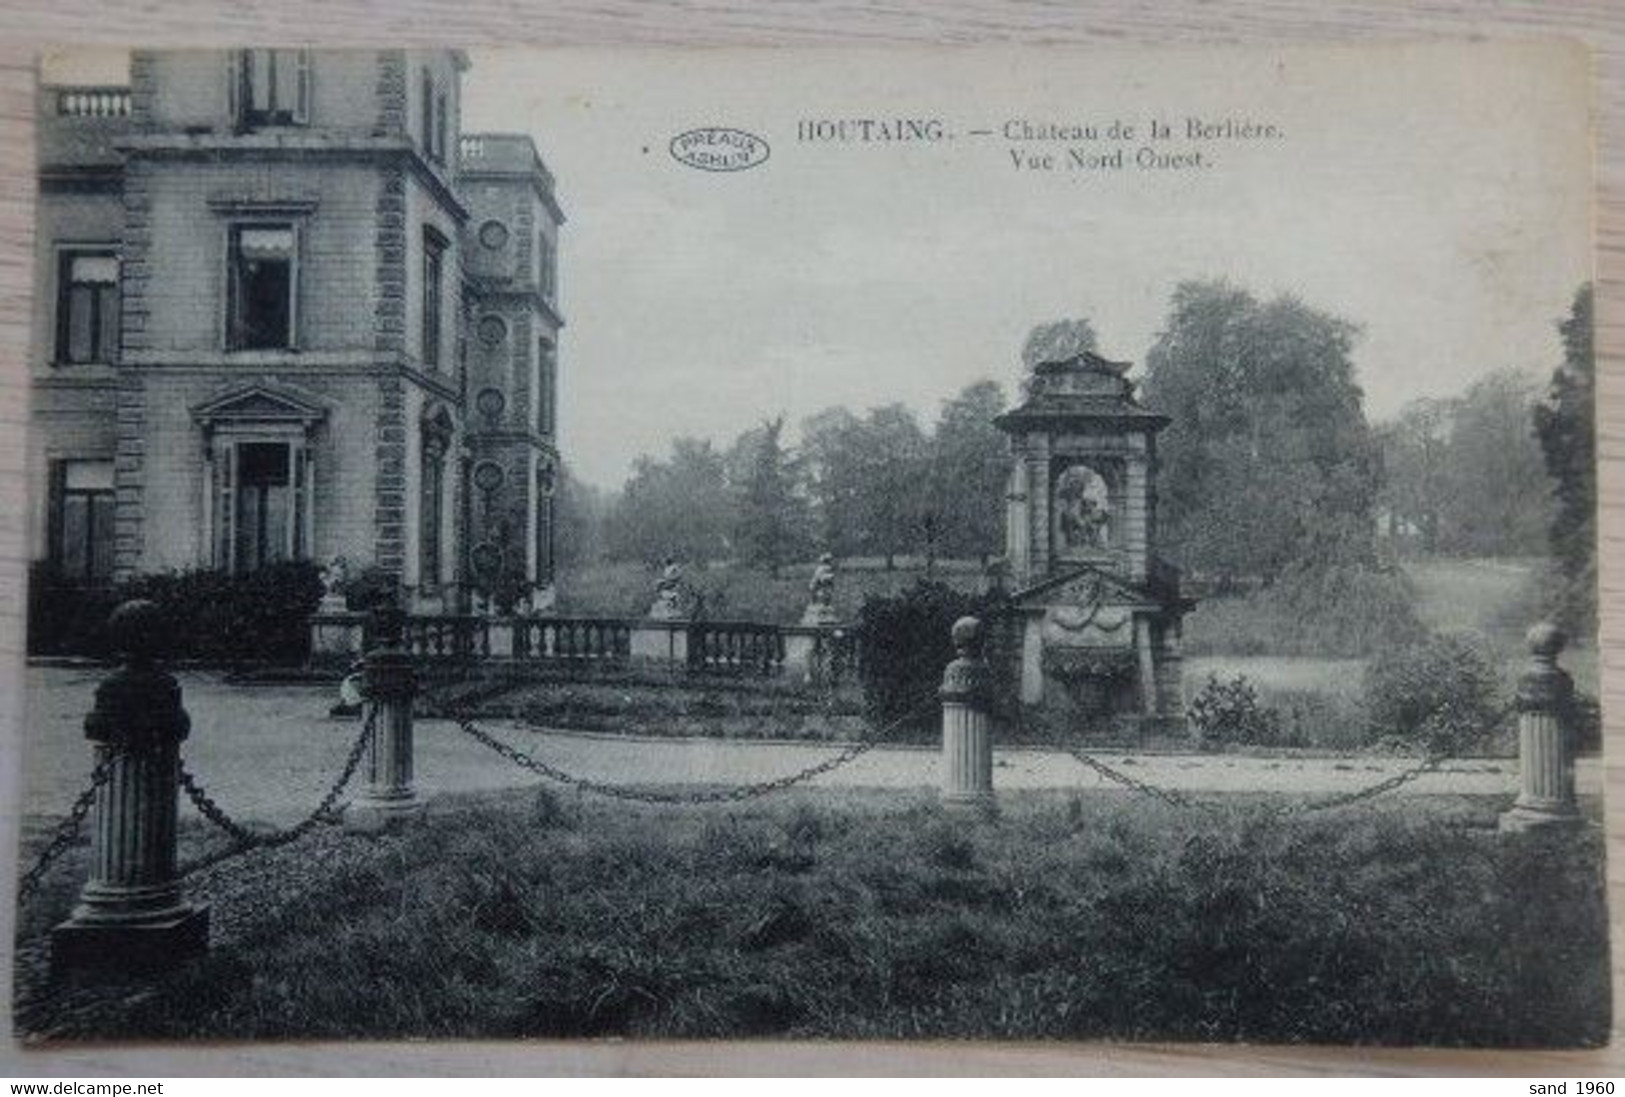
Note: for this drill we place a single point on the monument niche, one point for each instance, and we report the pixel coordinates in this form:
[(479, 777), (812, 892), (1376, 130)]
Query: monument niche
[(1094, 620)]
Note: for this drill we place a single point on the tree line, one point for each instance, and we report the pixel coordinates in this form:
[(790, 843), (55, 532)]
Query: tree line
[(1270, 463), (878, 485)]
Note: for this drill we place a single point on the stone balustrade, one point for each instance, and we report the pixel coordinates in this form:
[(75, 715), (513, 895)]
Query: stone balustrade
[(92, 102), (826, 654)]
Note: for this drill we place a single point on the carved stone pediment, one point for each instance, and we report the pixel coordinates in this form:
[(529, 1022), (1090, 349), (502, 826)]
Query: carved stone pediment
[(260, 403), (1088, 587)]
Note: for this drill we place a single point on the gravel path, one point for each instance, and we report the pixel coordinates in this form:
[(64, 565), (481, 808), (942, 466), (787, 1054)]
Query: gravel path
[(267, 753)]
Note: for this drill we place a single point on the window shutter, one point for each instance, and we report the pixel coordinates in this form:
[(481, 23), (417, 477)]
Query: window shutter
[(301, 110), (303, 485), (234, 88), (225, 508), (293, 289), (53, 506)]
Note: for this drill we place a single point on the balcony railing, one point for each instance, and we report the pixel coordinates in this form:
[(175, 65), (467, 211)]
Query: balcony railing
[(92, 102)]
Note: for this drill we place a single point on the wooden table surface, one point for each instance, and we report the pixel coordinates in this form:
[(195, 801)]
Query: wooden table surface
[(32, 25)]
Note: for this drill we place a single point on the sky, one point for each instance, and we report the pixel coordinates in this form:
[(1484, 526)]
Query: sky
[(1437, 195)]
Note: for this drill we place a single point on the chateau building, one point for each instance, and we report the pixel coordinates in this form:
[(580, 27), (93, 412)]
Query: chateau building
[(286, 309)]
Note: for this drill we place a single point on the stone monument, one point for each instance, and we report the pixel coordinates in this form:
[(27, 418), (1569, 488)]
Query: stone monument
[(1095, 618)]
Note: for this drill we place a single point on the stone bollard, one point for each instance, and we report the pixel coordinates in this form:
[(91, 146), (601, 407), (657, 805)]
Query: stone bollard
[(130, 914), (967, 732), (391, 685), (1545, 739)]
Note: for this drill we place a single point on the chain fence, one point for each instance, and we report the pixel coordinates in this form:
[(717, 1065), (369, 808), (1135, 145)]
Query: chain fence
[(66, 833), (245, 839), (646, 795), (1179, 799)]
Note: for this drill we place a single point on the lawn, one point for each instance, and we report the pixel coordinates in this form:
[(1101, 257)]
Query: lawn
[(867, 915)]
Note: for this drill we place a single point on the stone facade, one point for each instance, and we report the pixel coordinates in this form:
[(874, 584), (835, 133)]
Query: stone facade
[(1094, 632), (302, 246)]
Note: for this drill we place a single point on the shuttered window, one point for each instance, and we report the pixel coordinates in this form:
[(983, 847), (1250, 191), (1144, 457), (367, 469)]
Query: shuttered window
[(271, 88), (81, 521), (263, 287), (87, 306)]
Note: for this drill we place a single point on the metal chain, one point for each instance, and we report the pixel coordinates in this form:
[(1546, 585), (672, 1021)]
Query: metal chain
[(651, 796), (247, 839), (67, 832), (1341, 799), (1167, 796)]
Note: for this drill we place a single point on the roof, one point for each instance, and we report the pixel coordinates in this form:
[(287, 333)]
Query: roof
[(1081, 389)]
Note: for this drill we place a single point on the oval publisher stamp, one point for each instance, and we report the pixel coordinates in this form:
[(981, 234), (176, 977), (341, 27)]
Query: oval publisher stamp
[(719, 148)]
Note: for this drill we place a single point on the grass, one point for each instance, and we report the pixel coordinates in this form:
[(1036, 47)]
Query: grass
[(854, 915)]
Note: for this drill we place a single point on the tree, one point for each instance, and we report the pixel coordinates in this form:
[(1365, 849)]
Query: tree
[(829, 460), (1057, 340), (678, 507), (891, 459), (969, 467), (1269, 462), (1495, 497), (1413, 456), (1566, 425), (578, 519), (770, 523), (1467, 473)]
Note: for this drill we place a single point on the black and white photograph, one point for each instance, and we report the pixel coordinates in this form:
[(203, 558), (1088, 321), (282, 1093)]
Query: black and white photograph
[(861, 544)]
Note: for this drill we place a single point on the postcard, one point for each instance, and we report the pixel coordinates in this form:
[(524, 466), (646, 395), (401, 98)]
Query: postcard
[(818, 544)]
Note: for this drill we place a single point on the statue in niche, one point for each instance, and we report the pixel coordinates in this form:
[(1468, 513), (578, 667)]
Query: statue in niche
[(1083, 514)]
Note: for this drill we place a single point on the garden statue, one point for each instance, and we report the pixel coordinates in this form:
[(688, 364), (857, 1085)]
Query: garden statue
[(668, 604), (821, 593)]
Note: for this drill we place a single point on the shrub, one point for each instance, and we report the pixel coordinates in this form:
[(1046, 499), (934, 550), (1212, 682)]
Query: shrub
[(1312, 718), (370, 588), (906, 644), (64, 619), (1225, 712), (260, 616), (1439, 695)]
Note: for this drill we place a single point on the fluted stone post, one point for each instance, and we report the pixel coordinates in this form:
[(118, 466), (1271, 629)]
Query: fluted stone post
[(1545, 738), (967, 732), (391, 685), (130, 911)]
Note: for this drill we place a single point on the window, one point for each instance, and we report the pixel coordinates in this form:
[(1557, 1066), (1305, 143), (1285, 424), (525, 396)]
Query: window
[(434, 250), (440, 128), (546, 407), (87, 306), (81, 521), (433, 109), (272, 88), (263, 504), (547, 268), (263, 273), (432, 494), (545, 484)]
